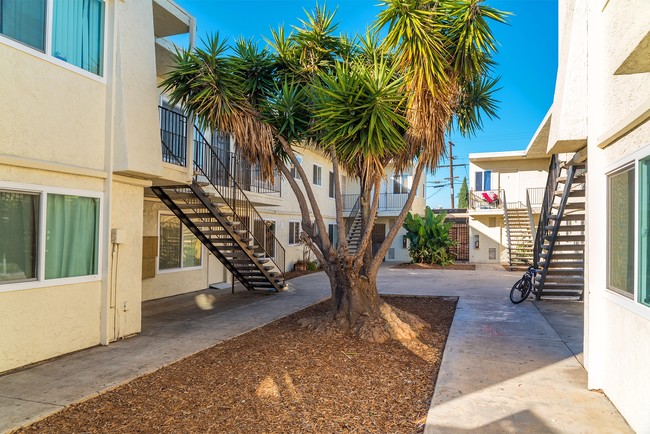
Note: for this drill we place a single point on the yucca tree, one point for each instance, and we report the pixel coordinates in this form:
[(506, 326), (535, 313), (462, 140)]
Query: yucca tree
[(364, 103)]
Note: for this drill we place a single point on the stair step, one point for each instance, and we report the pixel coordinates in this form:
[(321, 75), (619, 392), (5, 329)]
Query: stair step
[(560, 278), (572, 193), (567, 228), (566, 238), (577, 179), (565, 272), (569, 217), (555, 265), (565, 247), (562, 255)]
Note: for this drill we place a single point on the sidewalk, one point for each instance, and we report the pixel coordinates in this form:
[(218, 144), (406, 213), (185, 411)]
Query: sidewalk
[(506, 368)]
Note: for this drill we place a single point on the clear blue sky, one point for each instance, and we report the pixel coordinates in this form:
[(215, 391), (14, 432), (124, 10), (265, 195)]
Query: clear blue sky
[(526, 62)]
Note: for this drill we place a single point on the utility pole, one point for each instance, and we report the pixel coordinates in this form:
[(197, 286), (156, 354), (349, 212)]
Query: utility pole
[(451, 173)]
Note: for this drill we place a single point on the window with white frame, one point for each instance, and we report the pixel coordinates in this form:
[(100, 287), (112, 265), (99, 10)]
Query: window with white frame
[(400, 184), (483, 181), (178, 248), (628, 247), (293, 170), (48, 234), (294, 232), (332, 185), (317, 175), (69, 30)]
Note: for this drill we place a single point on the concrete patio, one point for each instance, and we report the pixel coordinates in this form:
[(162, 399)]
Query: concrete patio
[(506, 368)]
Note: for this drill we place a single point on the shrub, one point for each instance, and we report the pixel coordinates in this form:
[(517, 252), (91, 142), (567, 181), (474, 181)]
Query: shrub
[(429, 238)]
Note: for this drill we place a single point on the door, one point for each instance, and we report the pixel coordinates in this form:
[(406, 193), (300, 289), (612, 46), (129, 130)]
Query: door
[(378, 236)]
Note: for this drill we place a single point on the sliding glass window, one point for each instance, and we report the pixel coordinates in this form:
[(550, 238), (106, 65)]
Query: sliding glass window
[(19, 216), (621, 232), (24, 21)]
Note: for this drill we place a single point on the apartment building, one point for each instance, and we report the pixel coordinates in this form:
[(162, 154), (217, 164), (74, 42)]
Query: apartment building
[(110, 197)]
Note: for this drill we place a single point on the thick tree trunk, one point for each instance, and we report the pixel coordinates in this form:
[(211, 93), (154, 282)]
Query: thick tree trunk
[(357, 308)]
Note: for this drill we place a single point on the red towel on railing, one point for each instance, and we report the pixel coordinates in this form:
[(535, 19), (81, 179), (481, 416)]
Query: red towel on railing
[(490, 197)]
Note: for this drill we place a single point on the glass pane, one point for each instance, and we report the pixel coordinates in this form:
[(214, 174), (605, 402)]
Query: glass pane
[(24, 21), (478, 181), (621, 233), (72, 236), (18, 236), (191, 249), (78, 33), (170, 242), (487, 180), (644, 231)]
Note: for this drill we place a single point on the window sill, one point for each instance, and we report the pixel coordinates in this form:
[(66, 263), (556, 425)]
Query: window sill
[(35, 284), (178, 270), (51, 59)]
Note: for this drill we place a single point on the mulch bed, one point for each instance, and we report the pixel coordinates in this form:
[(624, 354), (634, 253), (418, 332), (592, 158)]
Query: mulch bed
[(420, 266), (278, 379)]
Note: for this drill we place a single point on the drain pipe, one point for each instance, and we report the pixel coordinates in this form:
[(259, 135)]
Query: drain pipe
[(111, 74)]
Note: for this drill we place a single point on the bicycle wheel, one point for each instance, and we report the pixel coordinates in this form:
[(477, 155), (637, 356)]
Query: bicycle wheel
[(520, 291)]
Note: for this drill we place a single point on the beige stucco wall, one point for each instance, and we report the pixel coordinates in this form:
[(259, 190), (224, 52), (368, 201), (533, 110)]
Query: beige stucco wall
[(47, 111), (166, 284), (490, 230)]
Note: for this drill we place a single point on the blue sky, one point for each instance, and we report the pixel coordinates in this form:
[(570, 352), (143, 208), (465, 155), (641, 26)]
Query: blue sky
[(526, 62)]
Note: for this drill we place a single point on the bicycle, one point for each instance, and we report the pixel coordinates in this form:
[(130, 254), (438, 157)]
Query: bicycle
[(524, 286)]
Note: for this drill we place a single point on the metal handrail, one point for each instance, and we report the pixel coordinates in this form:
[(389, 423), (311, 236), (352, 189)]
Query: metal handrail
[(233, 196), (173, 127), (547, 204), (353, 215), (505, 217)]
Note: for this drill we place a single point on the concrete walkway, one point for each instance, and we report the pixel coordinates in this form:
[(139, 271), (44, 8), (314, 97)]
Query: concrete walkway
[(506, 368)]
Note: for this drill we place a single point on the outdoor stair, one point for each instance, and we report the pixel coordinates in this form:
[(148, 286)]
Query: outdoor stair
[(355, 226), (217, 211), (560, 238), (520, 238)]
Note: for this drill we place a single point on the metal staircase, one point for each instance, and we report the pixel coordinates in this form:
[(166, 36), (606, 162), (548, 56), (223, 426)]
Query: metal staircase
[(353, 236), (520, 238), (560, 239), (219, 214)]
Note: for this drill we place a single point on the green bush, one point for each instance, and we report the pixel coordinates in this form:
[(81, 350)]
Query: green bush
[(429, 238), (312, 266)]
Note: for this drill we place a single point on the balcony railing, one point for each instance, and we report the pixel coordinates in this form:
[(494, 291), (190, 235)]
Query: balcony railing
[(536, 196), (387, 201), (486, 199), (173, 135)]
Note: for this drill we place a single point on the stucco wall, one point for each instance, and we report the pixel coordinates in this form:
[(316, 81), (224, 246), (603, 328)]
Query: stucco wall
[(490, 230), (166, 284), (617, 329)]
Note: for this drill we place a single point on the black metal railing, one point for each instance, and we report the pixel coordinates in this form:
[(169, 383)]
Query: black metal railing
[(212, 168), (173, 136), (547, 205), (487, 199), (354, 212)]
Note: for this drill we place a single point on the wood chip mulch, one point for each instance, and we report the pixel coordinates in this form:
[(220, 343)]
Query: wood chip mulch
[(278, 379), (421, 266)]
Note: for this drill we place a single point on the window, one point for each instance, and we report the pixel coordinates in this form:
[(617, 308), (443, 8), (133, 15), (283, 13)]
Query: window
[(294, 232), (19, 241), (644, 231), (333, 233), (76, 29), (318, 174), (483, 181), (24, 21), (400, 184), (621, 232), (628, 247), (64, 245), (179, 248), (293, 170), (332, 185)]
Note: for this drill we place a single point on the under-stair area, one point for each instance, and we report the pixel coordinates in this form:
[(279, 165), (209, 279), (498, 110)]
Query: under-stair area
[(520, 238), (560, 237), (217, 211)]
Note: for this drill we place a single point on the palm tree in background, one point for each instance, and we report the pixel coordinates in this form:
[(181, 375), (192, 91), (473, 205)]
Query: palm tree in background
[(365, 103)]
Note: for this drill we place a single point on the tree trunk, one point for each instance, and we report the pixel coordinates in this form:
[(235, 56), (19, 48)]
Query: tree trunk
[(357, 308)]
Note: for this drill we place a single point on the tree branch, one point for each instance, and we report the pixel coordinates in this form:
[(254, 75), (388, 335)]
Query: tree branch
[(379, 256), (318, 216)]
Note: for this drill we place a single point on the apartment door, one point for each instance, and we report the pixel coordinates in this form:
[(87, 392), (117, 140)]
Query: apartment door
[(378, 236), (509, 183)]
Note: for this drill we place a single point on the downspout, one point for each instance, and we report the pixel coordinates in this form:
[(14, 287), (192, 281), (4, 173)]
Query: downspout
[(106, 292)]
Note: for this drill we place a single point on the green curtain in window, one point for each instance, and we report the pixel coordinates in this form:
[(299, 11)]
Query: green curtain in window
[(191, 249), (621, 232), (78, 33), (18, 236), (644, 232), (24, 21), (71, 246)]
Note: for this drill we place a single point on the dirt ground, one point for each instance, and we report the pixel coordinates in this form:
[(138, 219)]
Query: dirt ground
[(419, 266), (278, 379)]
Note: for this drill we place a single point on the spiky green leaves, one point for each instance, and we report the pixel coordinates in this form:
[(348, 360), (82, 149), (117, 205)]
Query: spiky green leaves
[(359, 110)]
